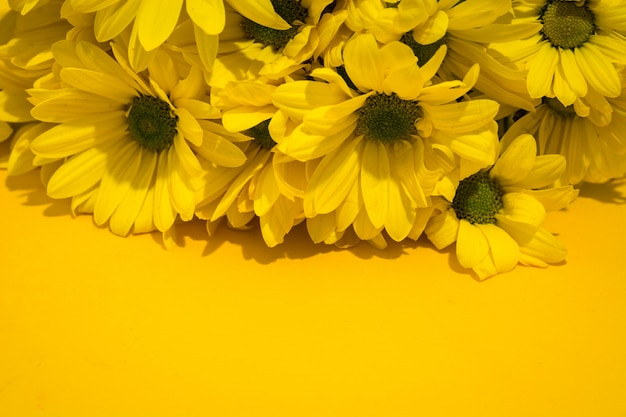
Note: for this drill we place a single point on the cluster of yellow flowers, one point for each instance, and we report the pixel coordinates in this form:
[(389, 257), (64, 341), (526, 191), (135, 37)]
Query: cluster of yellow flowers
[(365, 119)]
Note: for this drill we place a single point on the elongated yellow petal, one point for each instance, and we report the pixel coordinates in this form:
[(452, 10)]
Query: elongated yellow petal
[(401, 213), (503, 249), (375, 175), (598, 70), (541, 70), (443, 229), (267, 191), (116, 181), (156, 20), (125, 215), (516, 162), (180, 187), (362, 62), (98, 83), (78, 174), (71, 138), (523, 208), (164, 213), (260, 11), (111, 21), (333, 178), (220, 151), (471, 245), (207, 14)]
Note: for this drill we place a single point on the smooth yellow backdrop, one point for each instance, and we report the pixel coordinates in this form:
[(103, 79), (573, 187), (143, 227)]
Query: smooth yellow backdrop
[(96, 325)]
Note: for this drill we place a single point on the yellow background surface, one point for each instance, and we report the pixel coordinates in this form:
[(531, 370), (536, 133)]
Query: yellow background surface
[(96, 325)]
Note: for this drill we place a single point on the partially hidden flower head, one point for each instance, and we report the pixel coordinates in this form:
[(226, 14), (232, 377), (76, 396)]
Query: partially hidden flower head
[(126, 145), (465, 27), (495, 215), (269, 186), (578, 46), (590, 134), (153, 23), (250, 49), (27, 33), (373, 129)]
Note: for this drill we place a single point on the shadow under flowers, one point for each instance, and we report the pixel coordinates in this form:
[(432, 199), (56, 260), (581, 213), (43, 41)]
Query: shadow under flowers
[(613, 191), (29, 186), (297, 244)]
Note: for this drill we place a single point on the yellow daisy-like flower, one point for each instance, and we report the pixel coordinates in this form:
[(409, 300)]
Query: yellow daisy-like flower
[(153, 22), (495, 214), (269, 186), (249, 49), (465, 27), (126, 144), (579, 45), (594, 146), (379, 131)]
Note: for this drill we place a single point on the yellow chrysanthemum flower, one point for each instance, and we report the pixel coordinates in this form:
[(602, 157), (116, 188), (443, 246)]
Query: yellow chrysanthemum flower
[(249, 49), (379, 131), (594, 146), (126, 144), (25, 54), (579, 45), (269, 186), (495, 214), (465, 27), (153, 23)]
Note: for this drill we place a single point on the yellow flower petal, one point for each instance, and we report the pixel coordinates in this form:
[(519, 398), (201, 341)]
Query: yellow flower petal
[(443, 229), (267, 191), (516, 162), (260, 11), (541, 70), (333, 178), (521, 207), (112, 20), (503, 249), (125, 215), (598, 70), (471, 245), (116, 181), (209, 15), (375, 175), (363, 64), (156, 21), (78, 174), (164, 213)]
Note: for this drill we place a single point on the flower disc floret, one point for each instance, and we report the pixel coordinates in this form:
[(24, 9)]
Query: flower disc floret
[(567, 25), (261, 135), (558, 107), (478, 199), (152, 123), (422, 52), (290, 10), (387, 118)]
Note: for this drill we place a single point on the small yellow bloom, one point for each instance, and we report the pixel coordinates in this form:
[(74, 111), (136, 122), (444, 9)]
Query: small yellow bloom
[(494, 215)]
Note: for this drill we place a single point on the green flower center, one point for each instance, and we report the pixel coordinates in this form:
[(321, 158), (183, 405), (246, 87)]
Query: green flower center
[(387, 118), (567, 25), (557, 107), (478, 199), (290, 10), (422, 52), (261, 135), (152, 123)]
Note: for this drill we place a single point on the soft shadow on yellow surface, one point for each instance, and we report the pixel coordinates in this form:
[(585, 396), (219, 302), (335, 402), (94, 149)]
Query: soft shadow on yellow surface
[(96, 325)]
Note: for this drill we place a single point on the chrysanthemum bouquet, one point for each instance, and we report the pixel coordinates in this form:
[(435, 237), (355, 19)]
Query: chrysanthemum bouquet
[(464, 120)]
